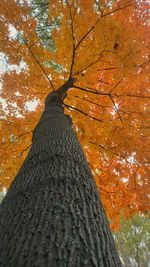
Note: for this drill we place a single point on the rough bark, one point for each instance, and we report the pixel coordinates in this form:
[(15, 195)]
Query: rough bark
[(52, 215)]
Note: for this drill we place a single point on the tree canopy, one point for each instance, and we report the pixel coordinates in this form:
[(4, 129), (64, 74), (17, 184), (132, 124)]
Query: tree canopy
[(104, 45)]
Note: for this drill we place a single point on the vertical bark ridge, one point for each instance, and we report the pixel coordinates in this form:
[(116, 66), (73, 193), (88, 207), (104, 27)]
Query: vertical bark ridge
[(52, 215)]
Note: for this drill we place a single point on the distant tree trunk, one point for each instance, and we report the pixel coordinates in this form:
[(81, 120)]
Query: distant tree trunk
[(52, 215)]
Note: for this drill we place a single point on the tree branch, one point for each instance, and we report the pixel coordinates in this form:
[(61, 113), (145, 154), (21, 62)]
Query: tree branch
[(106, 149), (82, 112), (88, 66), (20, 155), (39, 64), (29, 48), (118, 9), (138, 96), (93, 91), (12, 142), (73, 41), (104, 15)]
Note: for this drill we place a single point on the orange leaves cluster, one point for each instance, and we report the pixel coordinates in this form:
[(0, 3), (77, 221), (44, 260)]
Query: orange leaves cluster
[(105, 46)]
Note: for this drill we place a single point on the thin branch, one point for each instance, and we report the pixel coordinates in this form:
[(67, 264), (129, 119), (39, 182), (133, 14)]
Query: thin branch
[(39, 64), (94, 91), (108, 192), (138, 96), (41, 11), (35, 6), (20, 155), (82, 112), (88, 66), (96, 103), (99, 8), (12, 142), (85, 35), (33, 44), (101, 81), (29, 48), (101, 146), (113, 68), (144, 63), (118, 155), (115, 86), (115, 108), (73, 41), (91, 91), (96, 173), (118, 9)]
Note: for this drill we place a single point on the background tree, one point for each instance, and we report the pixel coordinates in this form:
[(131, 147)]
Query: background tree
[(105, 46), (133, 241)]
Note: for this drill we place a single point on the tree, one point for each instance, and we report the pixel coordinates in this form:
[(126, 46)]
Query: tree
[(105, 46), (51, 215), (133, 242)]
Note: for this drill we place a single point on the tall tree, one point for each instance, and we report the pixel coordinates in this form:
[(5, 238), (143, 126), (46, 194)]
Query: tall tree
[(105, 46), (52, 214)]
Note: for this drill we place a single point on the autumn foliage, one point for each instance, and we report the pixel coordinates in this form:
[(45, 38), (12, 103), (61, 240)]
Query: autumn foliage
[(105, 46)]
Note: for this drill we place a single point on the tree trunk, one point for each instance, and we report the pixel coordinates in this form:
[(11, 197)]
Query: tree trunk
[(52, 215)]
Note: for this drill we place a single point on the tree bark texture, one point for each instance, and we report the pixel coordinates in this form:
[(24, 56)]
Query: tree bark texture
[(52, 215)]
